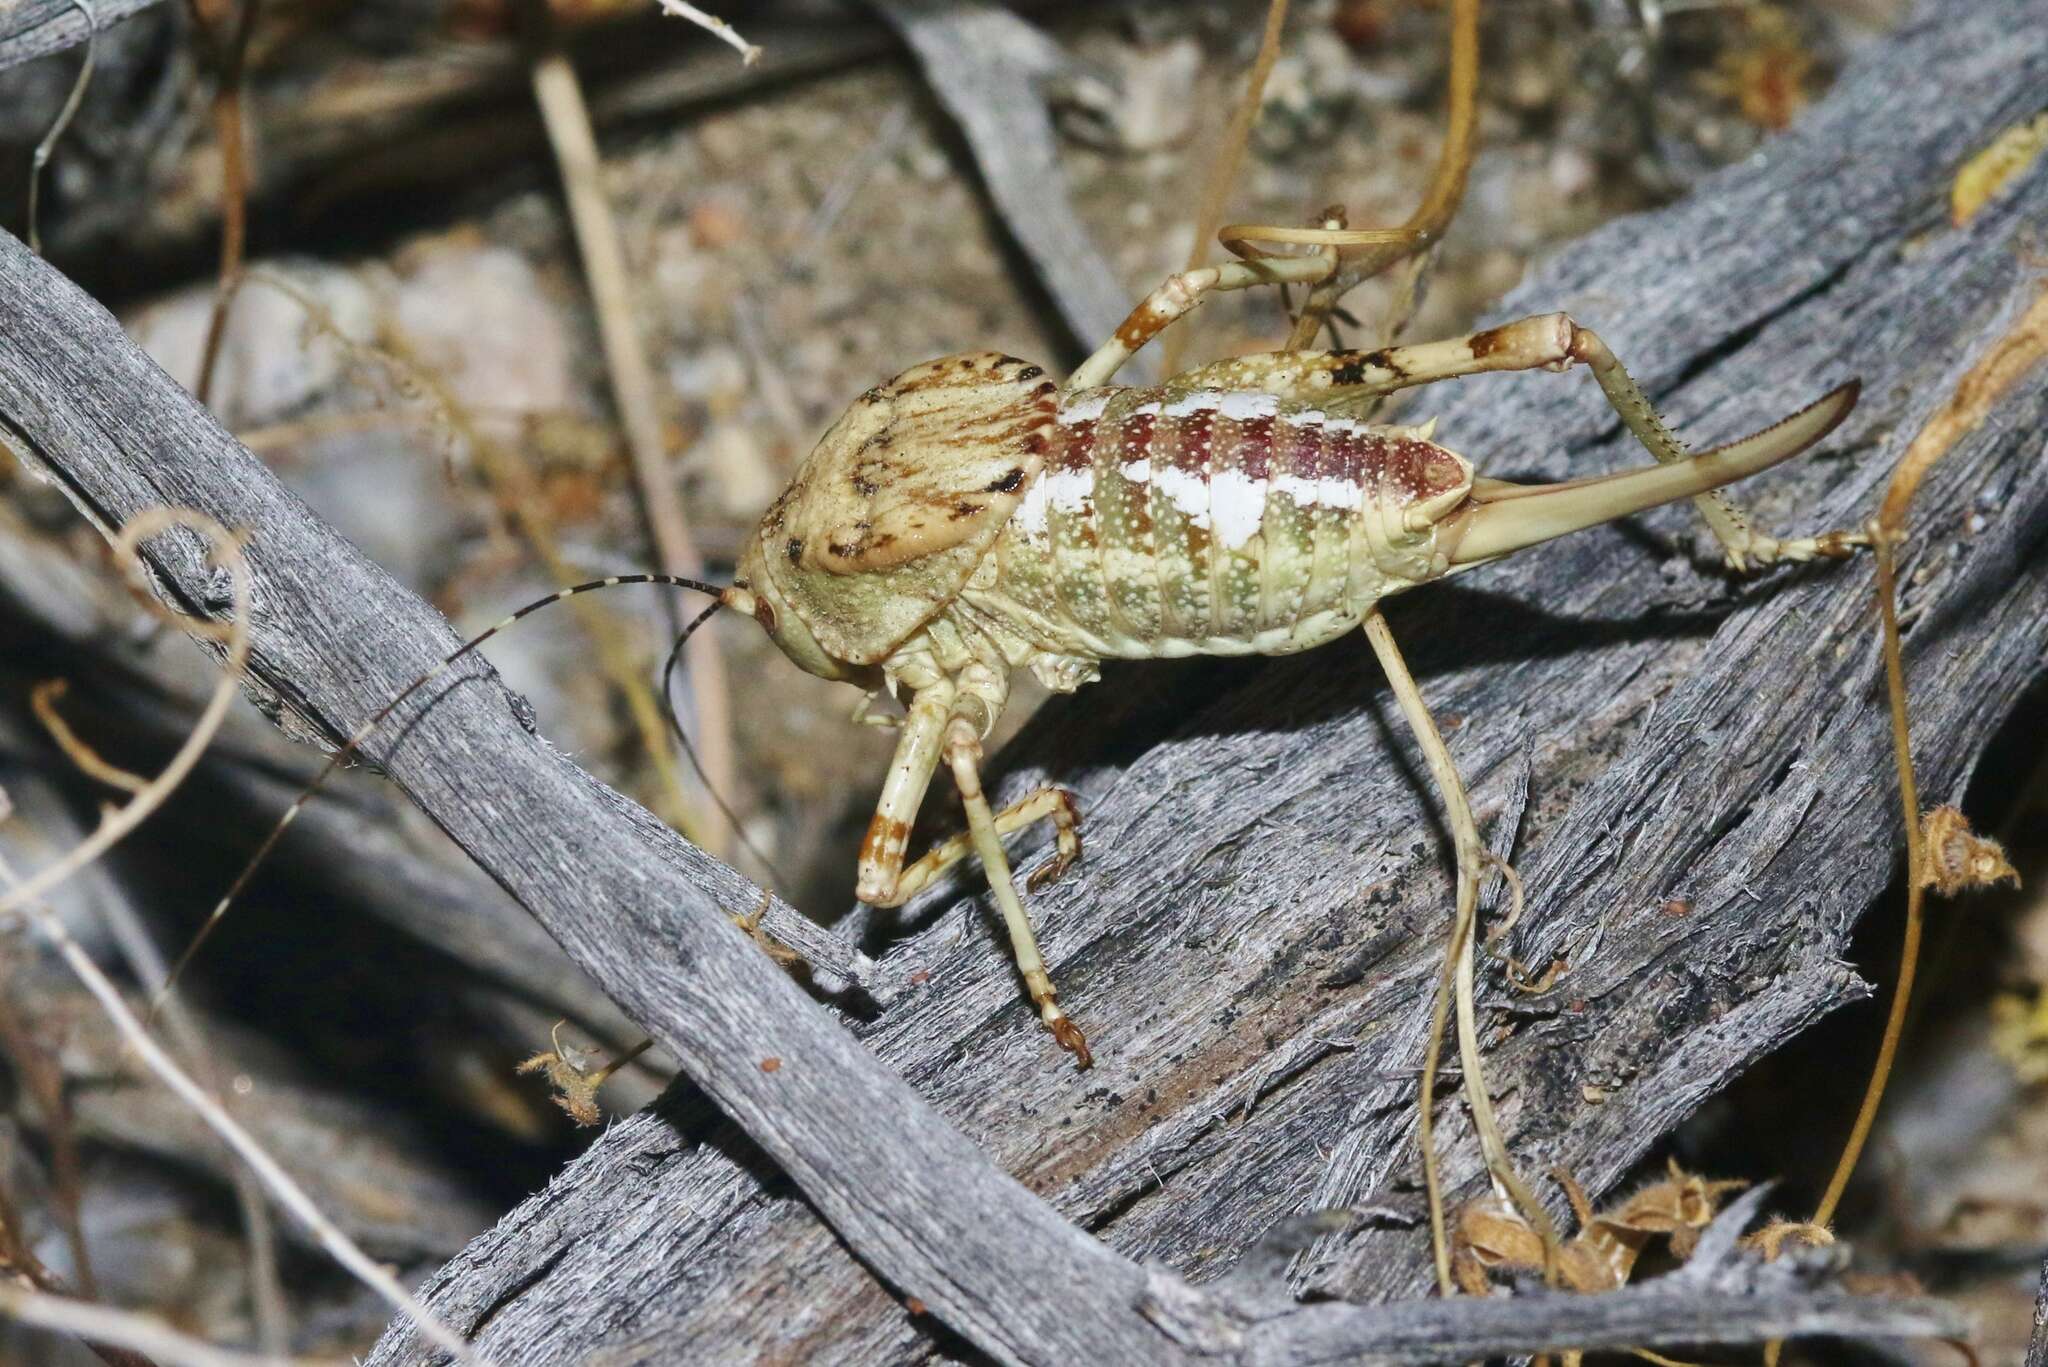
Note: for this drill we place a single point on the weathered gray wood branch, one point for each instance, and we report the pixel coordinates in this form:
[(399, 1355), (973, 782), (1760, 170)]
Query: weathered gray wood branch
[(2037, 1348), (88, 410), (36, 28), (1254, 930), (1254, 935)]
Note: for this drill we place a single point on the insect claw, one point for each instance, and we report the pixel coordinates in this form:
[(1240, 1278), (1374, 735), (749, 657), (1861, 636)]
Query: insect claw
[(1054, 868), (1070, 1037)]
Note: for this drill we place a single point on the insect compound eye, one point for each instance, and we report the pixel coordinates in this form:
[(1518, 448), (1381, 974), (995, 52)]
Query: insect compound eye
[(765, 615)]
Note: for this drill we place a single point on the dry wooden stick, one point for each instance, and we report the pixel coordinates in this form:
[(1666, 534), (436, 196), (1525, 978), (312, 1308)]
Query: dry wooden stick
[(715, 26), (1223, 170), (560, 97), (2011, 356), (234, 636), (119, 1329)]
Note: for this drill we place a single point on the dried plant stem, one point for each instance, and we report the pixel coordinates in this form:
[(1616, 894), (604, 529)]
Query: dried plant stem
[(27, 896), (1457, 980), (567, 118), (2017, 351), (65, 114), (230, 59), (119, 1329), (1223, 170), (712, 24), (42, 700), (1916, 894), (266, 1289)]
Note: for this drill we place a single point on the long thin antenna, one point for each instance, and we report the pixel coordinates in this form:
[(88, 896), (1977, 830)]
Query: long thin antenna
[(668, 708), (362, 733)]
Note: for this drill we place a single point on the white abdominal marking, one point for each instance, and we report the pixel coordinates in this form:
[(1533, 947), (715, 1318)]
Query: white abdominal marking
[(1238, 503), (1326, 492), (1187, 490), (1087, 408), (1229, 502)]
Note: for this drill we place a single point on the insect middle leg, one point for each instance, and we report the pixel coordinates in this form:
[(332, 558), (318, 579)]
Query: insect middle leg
[(935, 729), (1178, 295), (1550, 341), (1040, 804)]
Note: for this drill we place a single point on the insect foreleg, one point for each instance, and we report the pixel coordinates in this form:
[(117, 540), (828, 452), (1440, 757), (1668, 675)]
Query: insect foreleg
[(1041, 804), (963, 755), (935, 728), (1177, 297), (885, 880), (880, 881)]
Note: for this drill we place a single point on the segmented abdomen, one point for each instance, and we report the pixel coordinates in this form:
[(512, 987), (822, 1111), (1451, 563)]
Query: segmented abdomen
[(1169, 522)]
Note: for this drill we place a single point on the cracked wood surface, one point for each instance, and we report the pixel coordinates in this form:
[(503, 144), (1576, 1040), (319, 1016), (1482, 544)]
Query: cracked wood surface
[(1254, 930), (36, 28), (85, 408)]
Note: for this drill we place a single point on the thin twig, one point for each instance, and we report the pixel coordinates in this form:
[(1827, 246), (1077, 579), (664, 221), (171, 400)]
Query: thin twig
[(146, 963), (567, 117), (2022, 346), (229, 59), (1223, 170), (42, 700), (712, 24), (65, 114), (120, 1328)]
